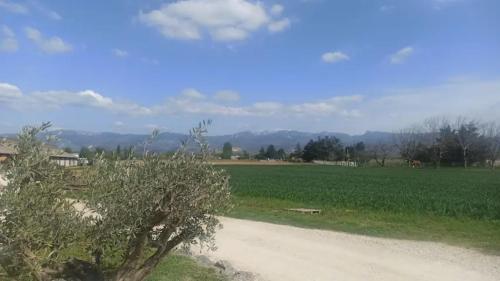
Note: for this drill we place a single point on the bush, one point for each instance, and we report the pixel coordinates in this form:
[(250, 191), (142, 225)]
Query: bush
[(141, 210)]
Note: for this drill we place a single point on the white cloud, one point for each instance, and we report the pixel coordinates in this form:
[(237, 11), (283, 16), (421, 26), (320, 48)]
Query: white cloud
[(9, 92), (334, 57), (53, 15), (120, 53), (227, 96), (13, 7), (190, 101), (402, 55), (390, 109), (222, 20), (279, 25), (8, 41), (336, 105), (50, 45), (12, 96), (192, 94), (229, 34), (277, 10)]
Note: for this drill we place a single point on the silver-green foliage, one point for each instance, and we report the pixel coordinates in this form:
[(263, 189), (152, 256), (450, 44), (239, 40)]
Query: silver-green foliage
[(156, 203), (142, 210), (37, 223)]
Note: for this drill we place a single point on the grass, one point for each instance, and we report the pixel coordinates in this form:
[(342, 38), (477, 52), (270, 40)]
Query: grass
[(174, 268), (455, 206), (182, 268)]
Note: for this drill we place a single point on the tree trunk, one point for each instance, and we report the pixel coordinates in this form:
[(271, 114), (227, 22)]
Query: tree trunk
[(465, 158)]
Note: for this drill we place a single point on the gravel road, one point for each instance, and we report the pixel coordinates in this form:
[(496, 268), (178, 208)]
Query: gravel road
[(285, 253)]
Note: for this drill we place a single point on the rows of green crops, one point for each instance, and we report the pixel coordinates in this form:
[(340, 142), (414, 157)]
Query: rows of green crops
[(449, 192)]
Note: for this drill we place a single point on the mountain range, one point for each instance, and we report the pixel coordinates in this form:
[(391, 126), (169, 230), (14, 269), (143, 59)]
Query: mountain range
[(249, 141)]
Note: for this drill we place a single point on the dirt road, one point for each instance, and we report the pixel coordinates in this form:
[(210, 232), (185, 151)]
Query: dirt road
[(284, 253)]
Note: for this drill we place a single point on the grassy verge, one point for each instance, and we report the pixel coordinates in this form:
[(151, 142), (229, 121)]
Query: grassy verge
[(174, 268), (483, 235), (181, 268)]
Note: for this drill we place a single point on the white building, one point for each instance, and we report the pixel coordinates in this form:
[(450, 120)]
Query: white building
[(66, 159)]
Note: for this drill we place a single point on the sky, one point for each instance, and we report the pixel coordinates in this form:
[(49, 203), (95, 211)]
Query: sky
[(310, 65)]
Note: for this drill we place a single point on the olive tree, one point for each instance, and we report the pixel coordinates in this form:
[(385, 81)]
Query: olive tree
[(140, 211), (37, 223)]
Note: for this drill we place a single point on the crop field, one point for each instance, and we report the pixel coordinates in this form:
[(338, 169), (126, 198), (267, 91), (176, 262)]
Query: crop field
[(447, 192), (453, 205)]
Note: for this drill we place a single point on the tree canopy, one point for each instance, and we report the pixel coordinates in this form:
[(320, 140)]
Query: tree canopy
[(141, 211)]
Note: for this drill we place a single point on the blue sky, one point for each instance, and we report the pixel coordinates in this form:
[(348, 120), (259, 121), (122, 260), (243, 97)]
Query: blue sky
[(310, 65)]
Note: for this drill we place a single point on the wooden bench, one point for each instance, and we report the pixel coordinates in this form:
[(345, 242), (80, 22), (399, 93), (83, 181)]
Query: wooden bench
[(305, 211)]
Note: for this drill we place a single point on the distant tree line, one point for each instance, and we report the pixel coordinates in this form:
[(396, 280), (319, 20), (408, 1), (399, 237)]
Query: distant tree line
[(327, 149), (440, 141), (118, 153), (271, 153)]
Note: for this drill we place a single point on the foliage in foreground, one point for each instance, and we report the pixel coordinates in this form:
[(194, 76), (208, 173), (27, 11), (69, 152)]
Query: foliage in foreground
[(138, 212)]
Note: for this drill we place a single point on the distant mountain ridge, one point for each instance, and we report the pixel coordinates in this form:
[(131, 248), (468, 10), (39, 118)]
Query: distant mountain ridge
[(167, 141)]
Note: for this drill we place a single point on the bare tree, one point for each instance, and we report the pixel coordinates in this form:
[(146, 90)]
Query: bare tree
[(407, 142), (380, 152), (432, 131), (467, 134), (491, 133)]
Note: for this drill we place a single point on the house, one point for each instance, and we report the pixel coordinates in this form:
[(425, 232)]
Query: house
[(66, 159), (6, 152)]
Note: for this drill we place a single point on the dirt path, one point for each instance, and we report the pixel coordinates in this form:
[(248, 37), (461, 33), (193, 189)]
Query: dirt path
[(279, 253)]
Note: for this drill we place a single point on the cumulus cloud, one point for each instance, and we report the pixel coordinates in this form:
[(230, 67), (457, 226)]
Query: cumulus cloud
[(8, 41), (53, 15), (388, 110), (334, 57), (51, 45), (185, 104), (336, 105), (13, 7), (9, 92), (227, 96), (189, 101), (192, 94), (277, 10), (222, 20), (12, 96), (120, 53), (279, 25), (402, 55)]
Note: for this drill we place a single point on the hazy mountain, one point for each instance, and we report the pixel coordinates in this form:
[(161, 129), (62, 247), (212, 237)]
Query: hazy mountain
[(249, 141)]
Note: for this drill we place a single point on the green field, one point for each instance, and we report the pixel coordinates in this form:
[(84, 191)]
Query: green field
[(456, 206)]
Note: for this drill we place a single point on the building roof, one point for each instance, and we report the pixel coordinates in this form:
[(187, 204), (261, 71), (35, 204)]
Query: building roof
[(66, 155)]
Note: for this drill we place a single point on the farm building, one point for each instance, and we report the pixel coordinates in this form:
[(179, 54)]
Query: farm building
[(6, 152), (66, 159)]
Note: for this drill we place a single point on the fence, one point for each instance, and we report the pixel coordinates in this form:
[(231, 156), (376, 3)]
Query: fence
[(337, 163)]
